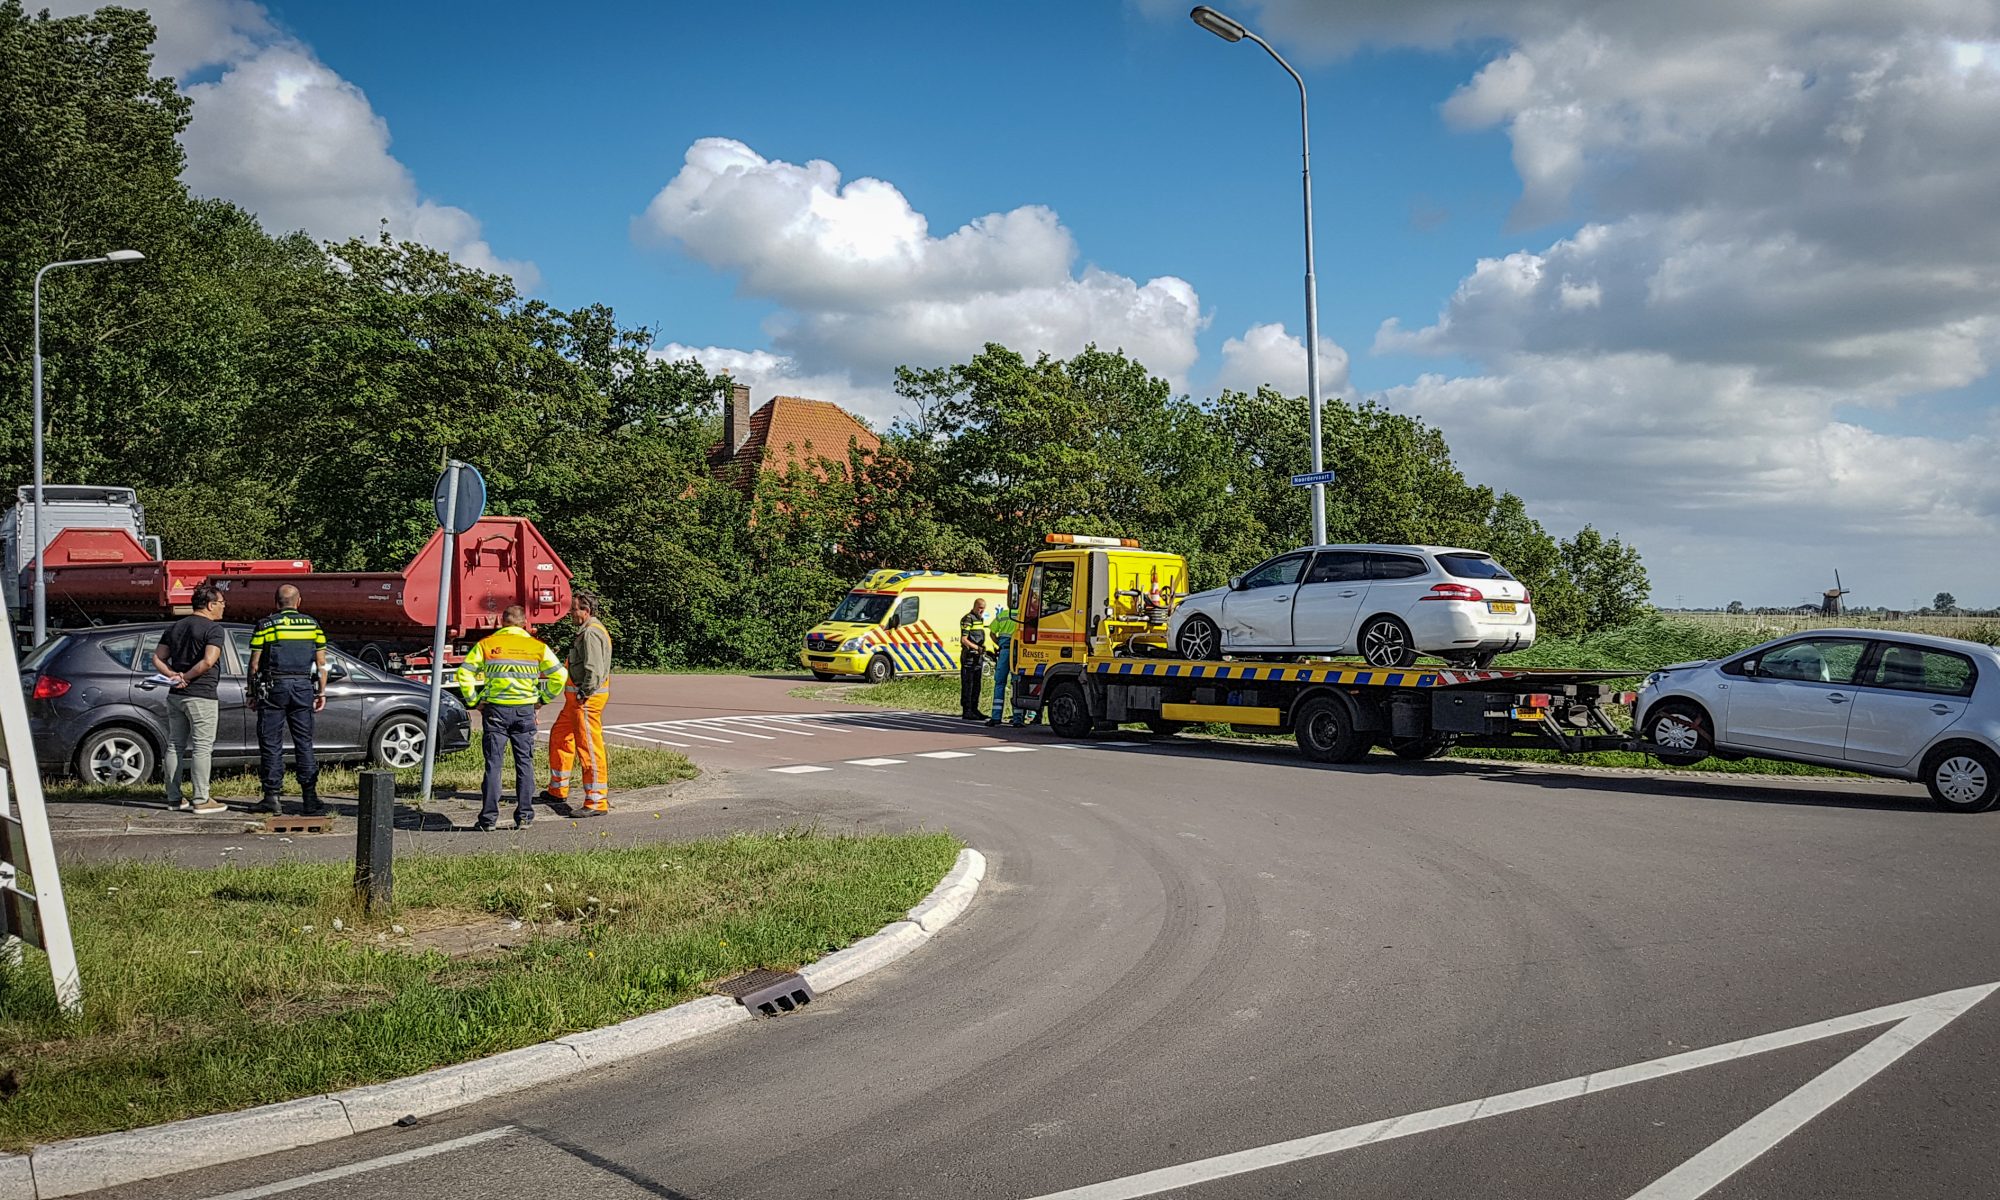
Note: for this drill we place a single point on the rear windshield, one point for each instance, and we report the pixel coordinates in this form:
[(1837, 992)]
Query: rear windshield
[(43, 653), (862, 608), (1472, 566)]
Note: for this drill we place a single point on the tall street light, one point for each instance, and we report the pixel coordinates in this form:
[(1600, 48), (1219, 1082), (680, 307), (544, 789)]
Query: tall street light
[(41, 588), (1233, 31)]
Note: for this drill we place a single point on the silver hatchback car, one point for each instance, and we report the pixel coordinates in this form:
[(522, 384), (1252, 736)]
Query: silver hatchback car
[(1899, 705)]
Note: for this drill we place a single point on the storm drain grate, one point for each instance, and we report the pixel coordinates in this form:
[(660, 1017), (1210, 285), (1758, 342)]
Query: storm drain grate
[(769, 992)]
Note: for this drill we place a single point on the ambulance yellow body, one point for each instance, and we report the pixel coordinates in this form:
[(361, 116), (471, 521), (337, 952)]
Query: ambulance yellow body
[(898, 623)]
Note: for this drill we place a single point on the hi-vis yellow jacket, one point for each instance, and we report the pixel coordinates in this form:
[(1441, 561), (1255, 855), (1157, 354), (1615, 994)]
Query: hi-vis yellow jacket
[(511, 668)]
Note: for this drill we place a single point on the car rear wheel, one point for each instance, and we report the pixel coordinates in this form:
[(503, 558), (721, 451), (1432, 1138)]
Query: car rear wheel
[(1386, 642), (116, 756), (1069, 716), (1325, 731), (1681, 733), (880, 669), (398, 742), (1963, 778), (1199, 638)]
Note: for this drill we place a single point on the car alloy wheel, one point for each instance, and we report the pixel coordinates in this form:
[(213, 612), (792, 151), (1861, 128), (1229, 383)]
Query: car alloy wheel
[(399, 743), (117, 756), (1385, 643), (1198, 638)]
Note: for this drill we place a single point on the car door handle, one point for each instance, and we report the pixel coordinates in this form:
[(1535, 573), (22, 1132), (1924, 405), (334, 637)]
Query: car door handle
[(1350, 592), (1941, 709), (1835, 698), (1282, 600)]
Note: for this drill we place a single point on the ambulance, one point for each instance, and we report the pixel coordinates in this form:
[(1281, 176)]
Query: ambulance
[(898, 623)]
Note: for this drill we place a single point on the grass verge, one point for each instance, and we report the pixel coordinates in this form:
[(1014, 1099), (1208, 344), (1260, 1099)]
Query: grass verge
[(208, 990), (630, 768)]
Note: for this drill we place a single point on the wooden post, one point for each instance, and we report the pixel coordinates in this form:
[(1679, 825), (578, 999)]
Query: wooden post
[(374, 845)]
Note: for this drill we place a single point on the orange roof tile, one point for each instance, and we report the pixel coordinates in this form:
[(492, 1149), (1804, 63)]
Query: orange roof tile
[(786, 430)]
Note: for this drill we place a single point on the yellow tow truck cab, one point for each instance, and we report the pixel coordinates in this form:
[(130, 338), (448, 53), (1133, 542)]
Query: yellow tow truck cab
[(1095, 595), (898, 623)]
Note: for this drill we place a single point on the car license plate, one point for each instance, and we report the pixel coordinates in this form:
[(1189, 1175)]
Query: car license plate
[(1500, 606)]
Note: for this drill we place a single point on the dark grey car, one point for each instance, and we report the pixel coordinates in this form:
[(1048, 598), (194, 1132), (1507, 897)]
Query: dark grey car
[(95, 711)]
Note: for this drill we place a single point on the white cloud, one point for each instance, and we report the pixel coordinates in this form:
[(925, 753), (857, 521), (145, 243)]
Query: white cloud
[(1266, 354), (286, 137), (865, 286)]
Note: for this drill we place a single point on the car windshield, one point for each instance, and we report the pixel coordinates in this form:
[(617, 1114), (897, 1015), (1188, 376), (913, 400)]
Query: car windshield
[(1472, 566), (862, 608)]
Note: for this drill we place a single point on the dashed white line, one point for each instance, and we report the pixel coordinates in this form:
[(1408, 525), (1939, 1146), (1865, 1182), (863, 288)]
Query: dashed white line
[(874, 762), (945, 754), (802, 769), (1011, 749)]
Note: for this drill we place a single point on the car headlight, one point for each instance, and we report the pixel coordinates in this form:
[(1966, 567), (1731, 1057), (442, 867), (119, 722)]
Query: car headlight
[(1655, 679), (850, 645)]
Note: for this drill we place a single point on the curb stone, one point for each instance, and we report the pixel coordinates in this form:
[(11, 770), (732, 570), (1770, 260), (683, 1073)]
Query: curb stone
[(110, 1159)]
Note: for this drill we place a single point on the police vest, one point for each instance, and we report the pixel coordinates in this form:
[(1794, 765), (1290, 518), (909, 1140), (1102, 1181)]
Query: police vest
[(291, 642)]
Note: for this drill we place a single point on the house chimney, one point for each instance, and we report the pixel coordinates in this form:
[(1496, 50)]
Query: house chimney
[(736, 417)]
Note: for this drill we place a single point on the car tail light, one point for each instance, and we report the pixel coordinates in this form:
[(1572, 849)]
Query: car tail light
[(1527, 595), (1454, 591), (1537, 700), (48, 687)]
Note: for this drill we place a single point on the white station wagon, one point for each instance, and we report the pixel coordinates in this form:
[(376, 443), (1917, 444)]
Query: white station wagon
[(1900, 705), (1388, 603)]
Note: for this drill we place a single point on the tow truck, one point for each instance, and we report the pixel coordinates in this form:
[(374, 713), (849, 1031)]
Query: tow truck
[(1092, 655)]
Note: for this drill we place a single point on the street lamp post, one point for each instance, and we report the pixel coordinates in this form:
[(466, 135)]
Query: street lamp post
[(41, 590), (1233, 31)]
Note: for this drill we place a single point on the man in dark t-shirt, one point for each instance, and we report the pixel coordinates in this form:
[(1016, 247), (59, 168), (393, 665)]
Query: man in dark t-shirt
[(189, 656)]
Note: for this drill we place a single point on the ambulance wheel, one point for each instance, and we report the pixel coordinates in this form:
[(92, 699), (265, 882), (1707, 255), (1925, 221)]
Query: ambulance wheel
[(823, 676), (1326, 733), (1164, 727), (880, 669), (1068, 715)]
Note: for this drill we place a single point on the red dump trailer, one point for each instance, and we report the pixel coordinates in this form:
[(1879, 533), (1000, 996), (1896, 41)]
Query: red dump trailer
[(103, 575), (386, 618)]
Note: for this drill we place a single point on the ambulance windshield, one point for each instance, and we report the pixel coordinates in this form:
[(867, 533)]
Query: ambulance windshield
[(862, 608)]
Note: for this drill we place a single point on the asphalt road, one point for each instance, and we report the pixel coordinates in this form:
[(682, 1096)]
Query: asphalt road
[(1186, 950)]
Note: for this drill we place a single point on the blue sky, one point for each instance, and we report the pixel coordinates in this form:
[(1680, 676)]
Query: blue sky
[(1721, 278)]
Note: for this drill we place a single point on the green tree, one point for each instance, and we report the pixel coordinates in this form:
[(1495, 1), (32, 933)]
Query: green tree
[(1945, 603), (1736, 607), (1609, 580)]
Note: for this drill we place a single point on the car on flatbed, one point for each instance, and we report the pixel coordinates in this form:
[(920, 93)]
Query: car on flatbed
[(1386, 603), (1898, 705)]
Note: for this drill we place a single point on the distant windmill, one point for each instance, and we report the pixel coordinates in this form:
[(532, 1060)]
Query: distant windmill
[(1829, 601)]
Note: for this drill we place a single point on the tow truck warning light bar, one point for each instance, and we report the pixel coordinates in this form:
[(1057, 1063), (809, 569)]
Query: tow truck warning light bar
[(1079, 539)]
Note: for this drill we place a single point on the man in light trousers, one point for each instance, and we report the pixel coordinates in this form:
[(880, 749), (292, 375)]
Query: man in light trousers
[(189, 656)]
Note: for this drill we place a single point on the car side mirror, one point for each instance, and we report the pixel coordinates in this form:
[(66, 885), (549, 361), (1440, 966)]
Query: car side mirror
[(336, 670), (1235, 583)]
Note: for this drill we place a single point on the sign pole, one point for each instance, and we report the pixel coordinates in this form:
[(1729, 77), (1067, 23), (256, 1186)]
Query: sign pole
[(445, 573)]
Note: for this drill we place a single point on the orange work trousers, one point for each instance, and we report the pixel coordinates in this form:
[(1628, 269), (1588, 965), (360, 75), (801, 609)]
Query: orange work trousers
[(576, 744)]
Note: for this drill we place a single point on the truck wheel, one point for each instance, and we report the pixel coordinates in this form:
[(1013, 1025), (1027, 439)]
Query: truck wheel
[(1068, 714), (1431, 745), (1963, 777), (880, 669), (1326, 733), (116, 755), (1164, 727), (1385, 642), (374, 656), (1199, 638), (398, 742), (1681, 732)]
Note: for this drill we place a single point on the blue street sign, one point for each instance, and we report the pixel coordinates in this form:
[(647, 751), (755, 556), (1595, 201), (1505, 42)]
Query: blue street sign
[(1314, 477), (471, 497)]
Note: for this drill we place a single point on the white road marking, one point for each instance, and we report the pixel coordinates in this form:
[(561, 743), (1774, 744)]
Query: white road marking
[(772, 724), (1012, 749), (372, 1164), (874, 762), (1916, 1020), (799, 770), (679, 728), (614, 731), (945, 754), (727, 727)]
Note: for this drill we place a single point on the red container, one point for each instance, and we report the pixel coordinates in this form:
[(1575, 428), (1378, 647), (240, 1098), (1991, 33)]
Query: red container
[(501, 561), (108, 575)]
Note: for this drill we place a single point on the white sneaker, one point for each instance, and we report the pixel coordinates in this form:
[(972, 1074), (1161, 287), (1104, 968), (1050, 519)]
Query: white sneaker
[(209, 809), (184, 806)]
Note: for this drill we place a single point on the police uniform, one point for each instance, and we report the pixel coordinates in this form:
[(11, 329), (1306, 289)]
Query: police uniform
[(971, 658), (289, 644), (506, 677)]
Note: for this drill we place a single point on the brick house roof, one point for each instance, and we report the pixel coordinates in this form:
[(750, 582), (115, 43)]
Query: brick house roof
[(786, 430)]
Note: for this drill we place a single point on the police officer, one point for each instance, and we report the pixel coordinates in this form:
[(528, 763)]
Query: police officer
[(1002, 629), (507, 677), (971, 660), (288, 682)]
